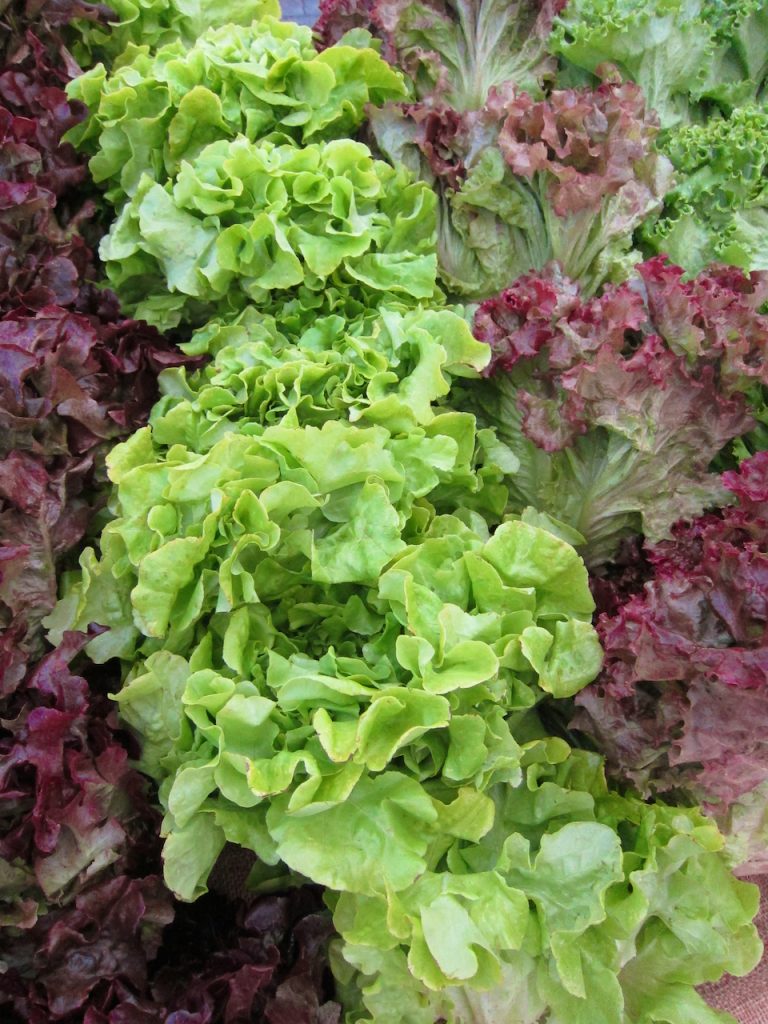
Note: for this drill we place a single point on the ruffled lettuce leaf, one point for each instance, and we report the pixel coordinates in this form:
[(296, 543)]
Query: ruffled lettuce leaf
[(387, 369), (575, 907), (684, 54), (156, 110), (738, 73), (217, 959), (615, 407), (156, 23), (252, 222), (70, 385), (680, 705), (513, 196), (718, 209), (665, 46)]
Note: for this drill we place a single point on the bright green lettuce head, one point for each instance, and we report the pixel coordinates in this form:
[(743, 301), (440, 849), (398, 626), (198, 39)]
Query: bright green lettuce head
[(685, 54), (156, 110), (323, 663), (664, 46), (249, 222), (579, 906), (386, 368), (155, 23)]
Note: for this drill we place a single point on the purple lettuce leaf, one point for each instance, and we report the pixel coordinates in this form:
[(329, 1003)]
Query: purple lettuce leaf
[(523, 182), (114, 957), (682, 703)]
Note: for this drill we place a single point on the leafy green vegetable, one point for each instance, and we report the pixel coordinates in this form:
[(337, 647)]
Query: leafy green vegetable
[(522, 183), (718, 209), (662, 45), (455, 53), (156, 23), (317, 652), (683, 53), (385, 369), (157, 110), (617, 406), (578, 904), (245, 221)]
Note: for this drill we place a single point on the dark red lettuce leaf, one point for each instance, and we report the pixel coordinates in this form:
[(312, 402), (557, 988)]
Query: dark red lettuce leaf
[(44, 200), (70, 384), (70, 806), (682, 702), (616, 405), (589, 143), (45, 17), (114, 958)]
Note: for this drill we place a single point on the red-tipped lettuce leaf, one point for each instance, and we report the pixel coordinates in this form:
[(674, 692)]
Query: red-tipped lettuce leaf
[(682, 702), (617, 405)]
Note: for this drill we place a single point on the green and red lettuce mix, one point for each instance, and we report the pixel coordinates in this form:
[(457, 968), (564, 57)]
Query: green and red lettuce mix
[(445, 624)]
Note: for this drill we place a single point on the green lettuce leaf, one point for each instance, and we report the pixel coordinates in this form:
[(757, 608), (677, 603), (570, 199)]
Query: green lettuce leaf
[(600, 908), (718, 209), (250, 222)]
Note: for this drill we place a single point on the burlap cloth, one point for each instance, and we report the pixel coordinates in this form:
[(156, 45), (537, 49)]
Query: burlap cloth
[(746, 998)]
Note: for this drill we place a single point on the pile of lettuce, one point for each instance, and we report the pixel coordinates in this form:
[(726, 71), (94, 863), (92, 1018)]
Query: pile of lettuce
[(325, 670), (85, 918), (702, 67), (523, 175), (235, 180), (327, 573)]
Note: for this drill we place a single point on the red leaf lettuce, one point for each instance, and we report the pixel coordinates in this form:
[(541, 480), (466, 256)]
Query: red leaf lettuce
[(617, 405), (682, 702)]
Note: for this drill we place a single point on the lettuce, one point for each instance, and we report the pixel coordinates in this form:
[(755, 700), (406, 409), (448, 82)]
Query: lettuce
[(665, 46), (576, 908), (386, 369), (718, 209), (513, 198), (684, 54), (250, 222), (156, 111), (616, 406), (156, 23), (455, 53), (357, 650), (680, 705)]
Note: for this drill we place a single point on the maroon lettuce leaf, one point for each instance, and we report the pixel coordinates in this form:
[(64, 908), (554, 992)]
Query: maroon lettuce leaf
[(44, 200), (115, 958), (682, 703), (70, 385), (588, 143), (69, 802), (616, 405)]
